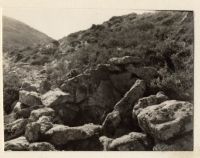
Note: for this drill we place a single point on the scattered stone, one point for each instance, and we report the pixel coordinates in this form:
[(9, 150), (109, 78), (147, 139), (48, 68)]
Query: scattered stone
[(36, 114), (18, 144), (28, 87), (167, 120), (132, 142), (44, 87), (29, 98), (15, 129), (41, 146), (60, 134)]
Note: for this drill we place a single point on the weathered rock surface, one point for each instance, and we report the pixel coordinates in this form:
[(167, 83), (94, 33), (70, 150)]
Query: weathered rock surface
[(123, 106), (15, 129), (44, 86), (41, 146), (148, 101), (167, 120), (18, 144), (29, 98), (183, 143), (60, 134), (132, 142), (36, 114), (55, 97)]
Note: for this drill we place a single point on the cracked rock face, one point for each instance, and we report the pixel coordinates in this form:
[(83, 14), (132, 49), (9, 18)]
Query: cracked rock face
[(167, 120)]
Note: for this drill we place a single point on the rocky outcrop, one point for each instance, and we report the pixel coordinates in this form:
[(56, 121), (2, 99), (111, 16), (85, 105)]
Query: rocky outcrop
[(61, 135), (167, 120), (132, 142), (29, 98), (122, 107), (15, 129)]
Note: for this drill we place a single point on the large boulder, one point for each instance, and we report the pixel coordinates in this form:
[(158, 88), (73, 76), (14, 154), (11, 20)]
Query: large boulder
[(132, 142), (15, 129), (61, 135), (167, 120), (36, 114), (44, 86), (29, 98), (148, 101), (18, 144), (45, 124), (56, 97), (183, 143), (122, 107), (41, 146)]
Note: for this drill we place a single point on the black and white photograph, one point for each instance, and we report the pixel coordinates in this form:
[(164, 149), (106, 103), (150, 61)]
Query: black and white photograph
[(98, 79)]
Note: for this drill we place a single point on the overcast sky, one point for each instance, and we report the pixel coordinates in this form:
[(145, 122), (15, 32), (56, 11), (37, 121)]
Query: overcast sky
[(59, 22)]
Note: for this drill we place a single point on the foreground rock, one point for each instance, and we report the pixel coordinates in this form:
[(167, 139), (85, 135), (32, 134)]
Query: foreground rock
[(29, 98), (61, 135), (41, 146), (148, 101), (167, 120), (114, 118), (183, 143), (15, 129), (18, 144), (132, 142)]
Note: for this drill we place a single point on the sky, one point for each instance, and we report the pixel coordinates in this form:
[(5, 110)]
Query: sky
[(59, 22)]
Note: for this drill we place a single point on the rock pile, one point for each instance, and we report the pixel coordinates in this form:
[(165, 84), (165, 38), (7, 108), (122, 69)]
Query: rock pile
[(101, 109)]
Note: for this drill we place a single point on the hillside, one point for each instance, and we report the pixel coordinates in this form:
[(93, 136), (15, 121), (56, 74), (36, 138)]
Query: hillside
[(123, 85), (19, 35)]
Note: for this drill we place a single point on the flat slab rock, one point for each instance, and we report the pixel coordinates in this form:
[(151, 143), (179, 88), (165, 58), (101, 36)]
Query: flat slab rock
[(60, 134), (18, 144), (134, 141), (167, 120), (55, 97)]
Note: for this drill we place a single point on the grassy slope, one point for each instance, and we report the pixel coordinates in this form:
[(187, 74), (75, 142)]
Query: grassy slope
[(19, 35)]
